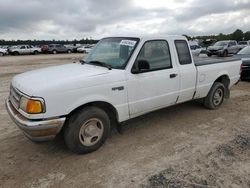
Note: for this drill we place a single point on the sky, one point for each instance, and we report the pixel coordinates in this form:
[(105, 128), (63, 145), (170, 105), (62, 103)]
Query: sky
[(77, 19)]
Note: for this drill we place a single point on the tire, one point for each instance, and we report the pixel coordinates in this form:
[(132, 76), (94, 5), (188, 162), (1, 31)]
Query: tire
[(209, 55), (69, 51), (54, 52), (76, 135), (1, 54), (35, 52), (16, 53), (225, 53), (215, 97)]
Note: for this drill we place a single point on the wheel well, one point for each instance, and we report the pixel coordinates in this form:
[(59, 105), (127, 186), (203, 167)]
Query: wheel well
[(224, 79), (107, 107)]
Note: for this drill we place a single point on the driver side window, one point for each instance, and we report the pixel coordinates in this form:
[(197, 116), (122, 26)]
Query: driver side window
[(156, 53)]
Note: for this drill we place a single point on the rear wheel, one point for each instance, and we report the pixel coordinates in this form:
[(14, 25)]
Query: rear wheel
[(225, 53), (1, 54), (209, 55), (69, 51), (54, 52), (215, 96), (16, 53), (35, 52), (86, 130)]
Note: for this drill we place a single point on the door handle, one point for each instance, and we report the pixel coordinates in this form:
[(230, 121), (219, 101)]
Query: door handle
[(173, 75)]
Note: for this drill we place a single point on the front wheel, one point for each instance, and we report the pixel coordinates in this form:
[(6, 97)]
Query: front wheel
[(1, 54), (215, 97), (86, 130), (225, 53)]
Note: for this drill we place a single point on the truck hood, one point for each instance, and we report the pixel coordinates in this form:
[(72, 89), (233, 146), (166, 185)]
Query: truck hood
[(58, 78)]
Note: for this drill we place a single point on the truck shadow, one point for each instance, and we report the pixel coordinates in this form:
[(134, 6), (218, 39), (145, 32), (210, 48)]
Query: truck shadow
[(147, 121)]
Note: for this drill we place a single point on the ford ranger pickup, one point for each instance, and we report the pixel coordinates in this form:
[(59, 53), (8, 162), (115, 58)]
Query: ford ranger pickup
[(121, 78)]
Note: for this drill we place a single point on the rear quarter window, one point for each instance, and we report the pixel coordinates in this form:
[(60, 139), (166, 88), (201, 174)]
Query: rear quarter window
[(183, 52)]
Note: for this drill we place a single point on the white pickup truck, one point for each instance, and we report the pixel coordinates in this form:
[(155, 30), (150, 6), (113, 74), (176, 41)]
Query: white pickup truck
[(121, 78), (24, 49)]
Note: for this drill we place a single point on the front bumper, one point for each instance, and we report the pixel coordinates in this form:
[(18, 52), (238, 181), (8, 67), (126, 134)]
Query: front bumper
[(215, 52), (35, 130)]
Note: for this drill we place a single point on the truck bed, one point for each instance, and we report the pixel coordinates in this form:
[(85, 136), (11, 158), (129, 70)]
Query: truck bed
[(200, 61)]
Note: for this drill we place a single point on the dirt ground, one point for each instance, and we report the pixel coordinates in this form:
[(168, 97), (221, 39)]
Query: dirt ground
[(181, 146)]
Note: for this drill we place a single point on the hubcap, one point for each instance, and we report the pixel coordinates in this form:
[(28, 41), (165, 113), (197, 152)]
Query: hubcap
[(218, 96), (91, 132)]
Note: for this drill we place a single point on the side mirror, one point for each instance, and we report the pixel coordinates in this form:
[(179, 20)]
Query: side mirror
[(143, 65)]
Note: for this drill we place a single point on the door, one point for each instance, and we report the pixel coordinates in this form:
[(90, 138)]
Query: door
[(232, 47), (187, 71), (22, 50), (158, 85)]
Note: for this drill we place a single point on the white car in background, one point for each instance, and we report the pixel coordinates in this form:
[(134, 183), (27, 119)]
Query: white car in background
[(3, 51), (196, 49), (243, 44), (85, 49), (24, 49)]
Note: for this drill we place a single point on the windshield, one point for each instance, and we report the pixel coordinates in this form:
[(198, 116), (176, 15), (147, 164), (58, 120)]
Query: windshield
[(242, 43), (221, 43), (245, 51), (114, 52)]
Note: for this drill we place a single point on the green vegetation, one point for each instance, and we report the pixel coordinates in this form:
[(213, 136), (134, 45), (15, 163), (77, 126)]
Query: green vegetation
[(238, 35)]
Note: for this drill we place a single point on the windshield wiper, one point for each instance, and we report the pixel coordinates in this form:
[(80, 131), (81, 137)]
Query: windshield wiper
[(100, 64)]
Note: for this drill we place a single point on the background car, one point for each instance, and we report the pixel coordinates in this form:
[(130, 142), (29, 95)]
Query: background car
[(196, 49), (45, 48), (223, 48), (244, 54), (3, 51), (85, 49), (243, 44), (59, 48), (24, 49)]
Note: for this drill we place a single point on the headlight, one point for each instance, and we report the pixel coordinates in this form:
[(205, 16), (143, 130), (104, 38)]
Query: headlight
[(31, 106)]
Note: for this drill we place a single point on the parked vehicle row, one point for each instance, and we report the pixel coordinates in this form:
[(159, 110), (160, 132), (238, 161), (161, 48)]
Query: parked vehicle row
[(51, 48)]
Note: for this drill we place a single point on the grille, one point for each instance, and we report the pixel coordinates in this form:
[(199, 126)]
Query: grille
[(213, 50), (14, 97)]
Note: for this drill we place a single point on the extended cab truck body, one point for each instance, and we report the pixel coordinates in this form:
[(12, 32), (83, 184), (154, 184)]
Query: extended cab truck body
[(121, 78)]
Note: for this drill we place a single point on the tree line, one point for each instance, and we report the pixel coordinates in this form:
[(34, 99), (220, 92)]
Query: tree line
[(238, 35)]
